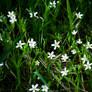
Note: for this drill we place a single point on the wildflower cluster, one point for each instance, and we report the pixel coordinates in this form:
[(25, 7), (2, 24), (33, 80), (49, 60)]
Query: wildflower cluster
[(53, 4), (35, 88), (32, 44), (12, 17)]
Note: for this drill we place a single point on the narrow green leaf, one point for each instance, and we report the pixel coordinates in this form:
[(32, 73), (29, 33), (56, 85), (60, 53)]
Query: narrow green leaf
[(69, 14)]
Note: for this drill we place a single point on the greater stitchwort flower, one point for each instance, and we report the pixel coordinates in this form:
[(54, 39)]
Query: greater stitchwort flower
[(11, 14), (88, 65), (32, 43), (64, 72), (37, 62), (20, 44), (53, 4), (88, 46), (74, 32), (45, 88), (51, 55), (84, 59), (73, 51), (79, 41), (79, 15), (12, 17), (34, 88), (64, 57), (56, 44)]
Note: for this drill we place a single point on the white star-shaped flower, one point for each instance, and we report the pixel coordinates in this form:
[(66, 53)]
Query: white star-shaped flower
[(64, 72), (84, 59), (73, 51), (20, 44), (74, 32), (88, 46), (11, 14), (32, 43), (79, 15), (34, 88), (45, 88), (64, 57), (37, 62), (53, 4), (56, 44), (13, 19), (88, 65), (51, 55), (79, 41)]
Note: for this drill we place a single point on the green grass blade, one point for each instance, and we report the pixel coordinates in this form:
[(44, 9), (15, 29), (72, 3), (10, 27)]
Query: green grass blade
[(69, 14)]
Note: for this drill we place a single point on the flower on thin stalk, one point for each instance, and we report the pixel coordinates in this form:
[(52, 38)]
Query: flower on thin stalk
[(51, 55), (32, 43), (34, 88), (88, 66), (56, 44), (74, 32), (45, 88), (79, 41), (79, 15), (64, 72), (73, 51), (64, 57), (20, 44)]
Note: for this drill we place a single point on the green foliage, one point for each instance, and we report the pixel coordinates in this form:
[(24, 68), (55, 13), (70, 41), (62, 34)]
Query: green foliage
[(20, 70)]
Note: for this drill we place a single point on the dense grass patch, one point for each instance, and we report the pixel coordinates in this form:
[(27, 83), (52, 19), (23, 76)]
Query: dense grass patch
[(45, 46)]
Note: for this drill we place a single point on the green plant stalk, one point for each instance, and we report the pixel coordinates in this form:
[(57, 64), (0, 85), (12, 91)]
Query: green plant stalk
[(18, 77)]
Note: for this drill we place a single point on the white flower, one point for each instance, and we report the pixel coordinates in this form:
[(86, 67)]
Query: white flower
[(13, 19), (88, 65), (73, 51), (74, 32), (32, 43), (34, 88), (84, 59), (78, 15), (11, 14), (51, 55), (56, 44), (33, 14), (37, 62), (1, 37), (88, 46), (64, 57), (53, 4), (45, 88), (20, 44), (64, 72), (79, 41), (1, 64)]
